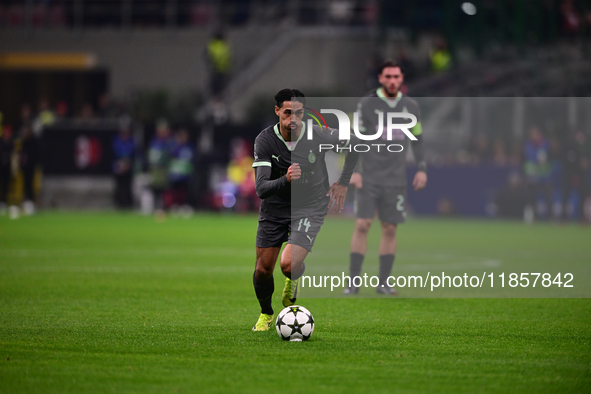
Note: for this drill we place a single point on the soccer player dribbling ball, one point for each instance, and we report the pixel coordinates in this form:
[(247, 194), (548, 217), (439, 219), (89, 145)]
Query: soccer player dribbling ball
[(292, 181), (380, 177)]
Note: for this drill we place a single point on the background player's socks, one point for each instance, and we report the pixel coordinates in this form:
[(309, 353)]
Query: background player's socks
[(356, 261), (386, 263), (264, 291)]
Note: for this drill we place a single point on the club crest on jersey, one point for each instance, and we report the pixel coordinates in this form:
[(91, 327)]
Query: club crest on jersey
[(311, 157)]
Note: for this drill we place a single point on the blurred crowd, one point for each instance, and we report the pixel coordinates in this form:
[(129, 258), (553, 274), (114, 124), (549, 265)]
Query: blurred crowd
[(19, 154), (160, 13), (557, 174), (554, 181), (170, 160), (47, 114), (570, 15), (550, 176)]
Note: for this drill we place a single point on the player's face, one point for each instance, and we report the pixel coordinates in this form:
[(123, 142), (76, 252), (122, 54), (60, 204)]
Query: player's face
[(391, 79), (290, 115)]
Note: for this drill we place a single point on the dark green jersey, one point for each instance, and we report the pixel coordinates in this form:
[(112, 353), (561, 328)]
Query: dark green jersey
[(386, 166), (305, 196)]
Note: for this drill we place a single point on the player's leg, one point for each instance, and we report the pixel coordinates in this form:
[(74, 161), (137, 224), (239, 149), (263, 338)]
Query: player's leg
[(359, 238), (391, 211), (365, 207), (387, 252), (293, 267), (270, 237), (264, 285), (292, 261), (358, 249), (301, 241)]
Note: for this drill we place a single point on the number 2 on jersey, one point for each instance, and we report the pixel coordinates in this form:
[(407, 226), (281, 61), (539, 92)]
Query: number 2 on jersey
[(400, 203)]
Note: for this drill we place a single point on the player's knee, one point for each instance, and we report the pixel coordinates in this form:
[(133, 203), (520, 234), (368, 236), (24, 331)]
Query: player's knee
[(292, 268), (362, 226), (262, 270), (262, 273), (389, 230), (289, 261), (285, 265)]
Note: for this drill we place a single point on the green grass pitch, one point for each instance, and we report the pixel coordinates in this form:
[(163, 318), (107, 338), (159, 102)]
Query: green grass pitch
[(107, 302)]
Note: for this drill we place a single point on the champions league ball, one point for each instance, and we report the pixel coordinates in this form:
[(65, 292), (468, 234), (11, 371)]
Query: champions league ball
[(295, 323)]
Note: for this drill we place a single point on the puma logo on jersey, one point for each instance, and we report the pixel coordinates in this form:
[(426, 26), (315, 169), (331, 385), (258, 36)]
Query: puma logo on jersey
[(275, 157), (307, 236)]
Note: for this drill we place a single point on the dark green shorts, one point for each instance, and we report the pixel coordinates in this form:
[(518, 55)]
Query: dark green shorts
[(389, 201), (301, 231)]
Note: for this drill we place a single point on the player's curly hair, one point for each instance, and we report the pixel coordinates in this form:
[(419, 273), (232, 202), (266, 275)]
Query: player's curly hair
[(288, 95)]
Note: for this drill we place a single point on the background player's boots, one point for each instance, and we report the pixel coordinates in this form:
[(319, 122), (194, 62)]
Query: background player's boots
[(351, 290), (290, 291), (383, 288), (264, 323)]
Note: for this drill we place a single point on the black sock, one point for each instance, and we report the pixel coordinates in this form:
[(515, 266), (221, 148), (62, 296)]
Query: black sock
[(386, 263), (355, 265), (299, 274), (264, 291)]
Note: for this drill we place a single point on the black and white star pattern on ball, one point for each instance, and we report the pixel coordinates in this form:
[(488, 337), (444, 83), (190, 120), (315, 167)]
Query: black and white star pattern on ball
[(296, 328), (295, 323)]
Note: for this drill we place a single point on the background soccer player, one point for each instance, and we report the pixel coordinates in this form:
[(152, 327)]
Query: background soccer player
[(381, 176), (292, 181)]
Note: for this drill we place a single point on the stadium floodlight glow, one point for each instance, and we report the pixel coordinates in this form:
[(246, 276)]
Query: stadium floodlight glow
[(228, 200), (469, 8)]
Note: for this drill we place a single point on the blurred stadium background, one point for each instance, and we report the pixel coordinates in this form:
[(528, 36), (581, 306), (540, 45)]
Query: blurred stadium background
[(154, 104)]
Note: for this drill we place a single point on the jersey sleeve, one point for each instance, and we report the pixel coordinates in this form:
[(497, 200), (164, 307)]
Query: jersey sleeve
[(262, 157), (364, 123), (361, 117), (418, 147), (331, 136), (418, 128)]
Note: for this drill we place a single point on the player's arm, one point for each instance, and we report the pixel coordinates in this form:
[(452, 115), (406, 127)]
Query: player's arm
[(356, 178), (350, 162), (418, 150), (331, 137), (266, 187), (338, 190)]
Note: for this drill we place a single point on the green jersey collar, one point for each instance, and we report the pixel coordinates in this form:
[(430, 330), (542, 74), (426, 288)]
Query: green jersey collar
[(302, 132), (391, 103)]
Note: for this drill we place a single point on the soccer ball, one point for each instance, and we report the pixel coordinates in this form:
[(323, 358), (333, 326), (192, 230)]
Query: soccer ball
[(295, 323)]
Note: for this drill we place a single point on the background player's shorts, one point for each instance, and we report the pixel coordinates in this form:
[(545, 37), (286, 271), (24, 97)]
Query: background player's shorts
[(390, 201), (302, 232)]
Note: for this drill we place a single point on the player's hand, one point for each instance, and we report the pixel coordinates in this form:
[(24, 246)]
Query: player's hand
[(337, 193), (293, 172), (420, 180), (356, 180)]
